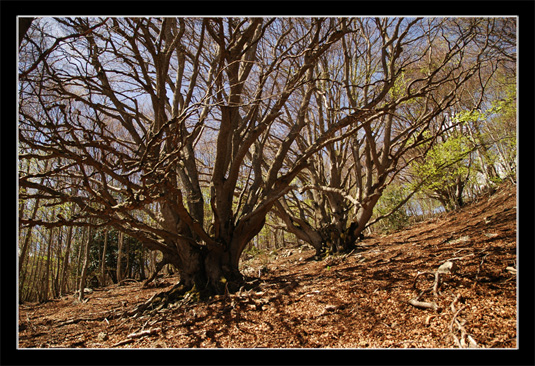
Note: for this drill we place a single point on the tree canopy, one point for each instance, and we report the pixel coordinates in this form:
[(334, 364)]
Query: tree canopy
[(184, 133)]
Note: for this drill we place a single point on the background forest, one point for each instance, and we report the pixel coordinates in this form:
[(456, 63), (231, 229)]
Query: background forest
[(183, 143)]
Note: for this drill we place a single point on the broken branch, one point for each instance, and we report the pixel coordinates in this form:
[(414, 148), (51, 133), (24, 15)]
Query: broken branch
[(424, 304), (144, 333)]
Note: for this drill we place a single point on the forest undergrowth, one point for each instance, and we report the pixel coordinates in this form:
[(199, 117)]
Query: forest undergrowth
[(448, 282)]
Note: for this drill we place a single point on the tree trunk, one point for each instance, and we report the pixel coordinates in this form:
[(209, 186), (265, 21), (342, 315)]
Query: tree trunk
[(79, 257), (459, 189), (142, 264), (40, 284), (85, 265), (63, 281), (46, 288), (103, 261), (32, 264), (128, 269), (32, 284), (24, 249), (207, 269), (55, 291), (300, 228), (120, 242)]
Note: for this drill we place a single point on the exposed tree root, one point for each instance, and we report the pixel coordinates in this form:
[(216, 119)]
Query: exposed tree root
[(465, 340), (457, 331), (181, 295), (447, 267), (178, 295)]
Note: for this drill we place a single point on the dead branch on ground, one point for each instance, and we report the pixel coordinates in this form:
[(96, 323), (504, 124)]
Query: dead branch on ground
[(465, 340), (456, 329)]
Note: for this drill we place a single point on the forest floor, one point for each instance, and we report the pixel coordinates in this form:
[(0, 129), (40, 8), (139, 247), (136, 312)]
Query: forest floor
[(360, 300)]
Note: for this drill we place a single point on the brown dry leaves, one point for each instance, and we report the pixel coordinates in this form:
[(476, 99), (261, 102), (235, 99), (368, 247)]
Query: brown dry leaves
[(356, 301)]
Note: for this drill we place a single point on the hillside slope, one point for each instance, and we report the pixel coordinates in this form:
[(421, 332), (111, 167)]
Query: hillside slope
[(359, 300)]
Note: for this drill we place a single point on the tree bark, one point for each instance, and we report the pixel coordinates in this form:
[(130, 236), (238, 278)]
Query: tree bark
[(55, 290), (46, 289), (64, 273), (23, 267), (85, 266), (119, 270), (103, 260)]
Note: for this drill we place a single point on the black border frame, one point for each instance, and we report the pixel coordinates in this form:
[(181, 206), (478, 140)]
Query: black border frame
[(523, 355)]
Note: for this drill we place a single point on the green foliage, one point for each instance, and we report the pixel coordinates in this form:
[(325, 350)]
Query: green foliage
[(252, 251), (132, 249), (464, 117), (502, 129), (445, 162), (506, 106), (399, 88), (390, 199)]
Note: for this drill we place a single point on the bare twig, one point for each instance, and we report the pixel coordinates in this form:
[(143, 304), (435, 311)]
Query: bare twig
[(144, 333), (476, 280), (125, 341)]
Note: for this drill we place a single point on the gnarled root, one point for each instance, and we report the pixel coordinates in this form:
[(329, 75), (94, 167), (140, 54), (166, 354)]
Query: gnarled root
[(180, 294)]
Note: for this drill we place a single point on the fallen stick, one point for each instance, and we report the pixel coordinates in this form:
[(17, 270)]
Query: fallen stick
[(132, 336), (125, 341), (465, 340), (424, 304), (144, 333)]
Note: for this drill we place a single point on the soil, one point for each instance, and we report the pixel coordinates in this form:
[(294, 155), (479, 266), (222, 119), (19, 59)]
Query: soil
[(359, 300)]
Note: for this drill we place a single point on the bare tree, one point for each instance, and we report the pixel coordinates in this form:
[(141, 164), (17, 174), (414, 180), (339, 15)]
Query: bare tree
[(184, 133), (126, 104), (422, 65)]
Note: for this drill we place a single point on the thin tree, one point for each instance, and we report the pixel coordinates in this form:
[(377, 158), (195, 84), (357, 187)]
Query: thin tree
[(120, 256), (85, 265), (103, 260), (63, 286)]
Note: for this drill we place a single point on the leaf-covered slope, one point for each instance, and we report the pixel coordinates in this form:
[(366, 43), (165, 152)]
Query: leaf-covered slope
[(354, 301)]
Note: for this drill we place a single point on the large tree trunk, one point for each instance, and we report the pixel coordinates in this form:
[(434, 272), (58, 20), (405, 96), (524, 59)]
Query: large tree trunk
[(203, 272), (208, 269)]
